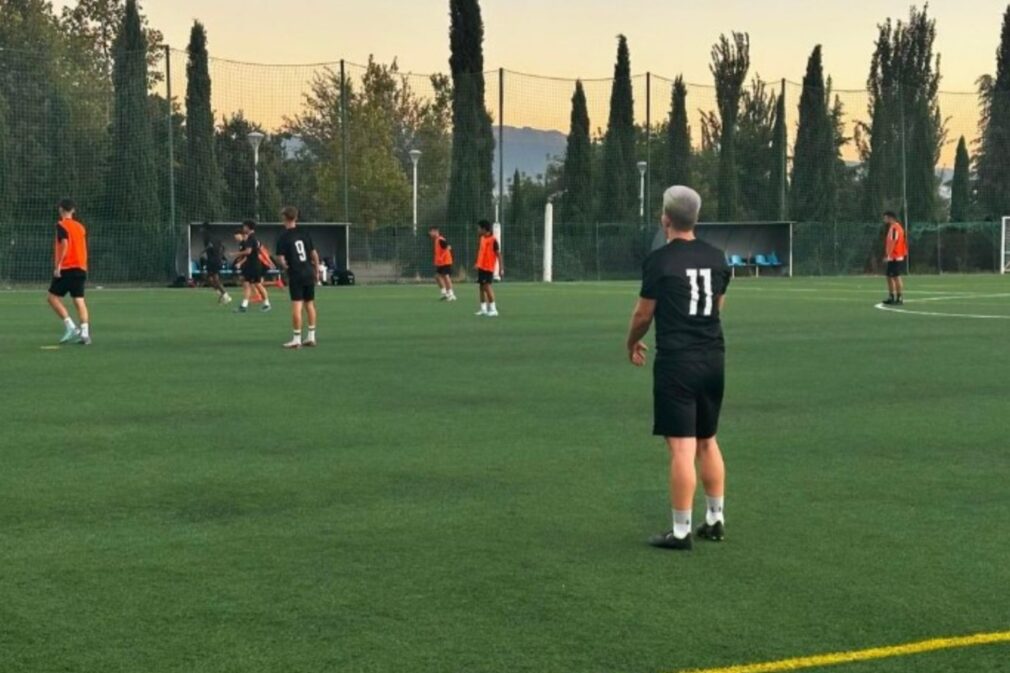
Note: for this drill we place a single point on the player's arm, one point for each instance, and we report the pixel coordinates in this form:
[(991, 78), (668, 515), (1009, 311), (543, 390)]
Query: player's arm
[(889, 245), (316, 264), (62, 246), (501, 263), (282, 261), (641, 321)]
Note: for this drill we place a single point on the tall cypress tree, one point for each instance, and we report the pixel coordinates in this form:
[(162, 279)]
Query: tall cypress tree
[(619, 185), (577, 202), (730, 63), (777, 175), (678, 137), (993, 164), (132, 190), (517, 203), (813, 184), (905, 118), (471, 179), (202, 182), (960, 187)]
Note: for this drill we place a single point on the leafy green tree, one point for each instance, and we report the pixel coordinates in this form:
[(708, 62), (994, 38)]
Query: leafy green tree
[(577, 178), (730, 63), (132, 196), (753, 139), (960, 188), (201, 177), (619, 181), (239, 169), (678, 137), (6, 169), (813, 183), (471, 181), (992, 163), (91, 26)]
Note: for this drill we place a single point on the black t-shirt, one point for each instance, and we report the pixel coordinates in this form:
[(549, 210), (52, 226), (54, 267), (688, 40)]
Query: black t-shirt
[(296, 246), (214, 253), (252, 261), (686, 279)]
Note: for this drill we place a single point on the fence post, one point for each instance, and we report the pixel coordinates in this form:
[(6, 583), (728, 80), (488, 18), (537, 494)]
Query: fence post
[(549, 242), (499, 215), (343, 141), (904, 178), (648, 143), (171, 157), (785, 162)]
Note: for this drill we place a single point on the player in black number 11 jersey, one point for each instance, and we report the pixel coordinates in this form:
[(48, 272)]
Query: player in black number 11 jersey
[(298, 256), (683, 287)]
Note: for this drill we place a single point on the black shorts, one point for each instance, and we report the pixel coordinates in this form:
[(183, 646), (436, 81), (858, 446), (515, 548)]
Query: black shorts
[(252, 274), (485, 277), (302, 290), (444, 270), (71, 281), (213, 268), (687, 396), (895, 269)]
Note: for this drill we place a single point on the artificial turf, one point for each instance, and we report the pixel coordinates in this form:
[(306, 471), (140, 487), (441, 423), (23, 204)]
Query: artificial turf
[(431, 492)]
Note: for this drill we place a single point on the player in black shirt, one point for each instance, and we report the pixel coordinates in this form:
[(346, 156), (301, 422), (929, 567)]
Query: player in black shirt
[(252, 268), (298, 256), (213, 254), (683, 288)]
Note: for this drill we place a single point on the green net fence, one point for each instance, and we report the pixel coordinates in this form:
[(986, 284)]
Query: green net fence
[(337, 143)]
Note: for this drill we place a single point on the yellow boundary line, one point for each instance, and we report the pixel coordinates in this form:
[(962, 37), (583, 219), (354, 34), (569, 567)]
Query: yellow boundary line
[(836, 658)]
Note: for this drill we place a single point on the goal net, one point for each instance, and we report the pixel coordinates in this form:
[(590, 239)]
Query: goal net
[(1004, 246)]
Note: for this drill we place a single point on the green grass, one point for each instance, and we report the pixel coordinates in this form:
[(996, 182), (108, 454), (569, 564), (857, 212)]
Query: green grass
[(429, 492)]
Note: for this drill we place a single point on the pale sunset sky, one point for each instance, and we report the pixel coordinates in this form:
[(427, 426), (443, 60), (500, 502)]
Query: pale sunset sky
[(569, 38)]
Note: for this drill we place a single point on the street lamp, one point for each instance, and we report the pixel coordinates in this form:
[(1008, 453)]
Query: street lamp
[(642, 168), (415, 156), (255, 139)]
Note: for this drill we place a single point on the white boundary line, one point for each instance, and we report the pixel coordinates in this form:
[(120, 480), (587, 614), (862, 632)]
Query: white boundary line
[(942, 315)]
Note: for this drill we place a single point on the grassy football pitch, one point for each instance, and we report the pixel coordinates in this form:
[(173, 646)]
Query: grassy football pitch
[(429, 492)]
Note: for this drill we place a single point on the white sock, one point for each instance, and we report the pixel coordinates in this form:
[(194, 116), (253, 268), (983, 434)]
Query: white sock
[(681, 523), (85, 330), (444, 293), (245, 303), (69, 322), (312, 334), (494, 308), (714, 511), (298, 337), (483, 306), (452, 293), (266, 302)]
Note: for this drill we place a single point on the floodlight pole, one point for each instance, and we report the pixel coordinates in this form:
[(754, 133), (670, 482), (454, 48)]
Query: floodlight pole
[(415, 156), (642, 168), (255, 139)]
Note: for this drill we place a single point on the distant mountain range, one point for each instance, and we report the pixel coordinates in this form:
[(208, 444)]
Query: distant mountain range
[(528, 150)]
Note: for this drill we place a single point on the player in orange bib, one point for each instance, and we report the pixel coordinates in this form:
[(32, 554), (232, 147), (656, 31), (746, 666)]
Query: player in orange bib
[(488, 257), (443, 264), (895, 252), (70, 271)]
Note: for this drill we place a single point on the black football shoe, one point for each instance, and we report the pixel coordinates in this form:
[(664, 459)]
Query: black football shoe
[(668, 541), (714, 533), (900, 301), (888, 302)]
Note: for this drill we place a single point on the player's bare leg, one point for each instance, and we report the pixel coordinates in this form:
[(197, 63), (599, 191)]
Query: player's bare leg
[(310, 311), (84, 318), (481, 294), (899, 290), (713, 477), (247, 289), (449, 292), (683, 480), (296, 324), (261, 288), (70, 332), (492, 308)]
